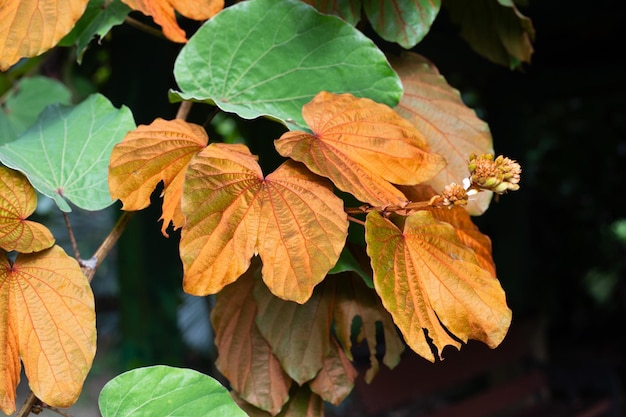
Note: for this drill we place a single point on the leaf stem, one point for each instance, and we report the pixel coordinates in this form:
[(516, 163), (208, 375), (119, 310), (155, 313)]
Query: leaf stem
[(71, 234), (56, 410), (355, 220), (30, 402), (184, 109), (89, 269), (143, 27)]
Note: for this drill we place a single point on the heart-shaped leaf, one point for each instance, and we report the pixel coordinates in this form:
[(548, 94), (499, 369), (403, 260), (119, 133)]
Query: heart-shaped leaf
[(166, 391), (450, 127), (164, 13), (23, 103), (291, 219), (31, 27), (269, 58), (428, 280), (18, 201), (65, 155), (245, 357), (362, 146), (150, 154), (48, 318)]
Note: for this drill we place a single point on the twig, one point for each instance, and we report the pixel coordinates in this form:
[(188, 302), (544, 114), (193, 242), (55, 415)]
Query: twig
[(56, 410), (30, 402), (355, 220), (143, 27), (71, 234), (89, 268), (184, 109), (389, 208)]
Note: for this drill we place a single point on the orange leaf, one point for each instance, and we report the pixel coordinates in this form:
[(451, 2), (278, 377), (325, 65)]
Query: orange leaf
[(163, 13), (245, 357), (48, 318), (291, 219), (428, 280), (152, 153), (297, 333), (353, 298), (31, 27), (336, 378), (451, 128), (362, 146), (18, 200)]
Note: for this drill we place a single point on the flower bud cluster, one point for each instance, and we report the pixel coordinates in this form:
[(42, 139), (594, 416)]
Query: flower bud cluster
[(499, 174), (454, 195)]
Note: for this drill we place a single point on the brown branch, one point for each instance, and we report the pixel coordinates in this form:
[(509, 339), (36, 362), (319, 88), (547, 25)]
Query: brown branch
[(389, 208), (90, 266), (30, 402), (144, 28), (355, 220), (56, 410)]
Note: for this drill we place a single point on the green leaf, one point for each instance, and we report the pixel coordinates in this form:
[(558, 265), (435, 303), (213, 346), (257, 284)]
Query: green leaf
[(22, 104), (403, 21), (98, 19), (269, 58), (348, 263), (65, 155), (166, 391)]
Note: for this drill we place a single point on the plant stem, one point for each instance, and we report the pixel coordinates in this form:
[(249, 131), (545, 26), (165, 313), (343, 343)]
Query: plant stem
[(183, 110), (143, 27), (28, 405), (56, 410), (71, 234), (355, 220), (89, 269)]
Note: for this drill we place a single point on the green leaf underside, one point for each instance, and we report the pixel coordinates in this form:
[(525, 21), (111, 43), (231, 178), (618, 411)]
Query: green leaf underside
[(98, 19), (65, 155), (166, 391), (403, 21), (268, 58), (22, 105)]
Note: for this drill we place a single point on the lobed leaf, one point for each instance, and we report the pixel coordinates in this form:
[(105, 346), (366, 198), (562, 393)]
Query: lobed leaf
[(269, 58), (23, 103), (428, 280), (152, 153), (31, 27), (297, 333), (451, 128), (495, 29), (245, 357), (354, 299), (98, 19), (403, 21), (164, 13), (65, 155), (18, 201), (362, 146), (48, 319), (291, 219), (166, 391)]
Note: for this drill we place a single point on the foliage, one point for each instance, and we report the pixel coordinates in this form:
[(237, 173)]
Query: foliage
[(382, 141)]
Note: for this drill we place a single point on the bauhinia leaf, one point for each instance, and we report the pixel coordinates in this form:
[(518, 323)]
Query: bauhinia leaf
[(48, 319), (428, 280), (403, 21), (245, 357), (291, 219), (31, 27), (98, 19), (451, 128), (297, 333), (269, 58), (152, 153), (495, 29), (18, 201), (336, 378), (353, 298), (23, 103), (164, 13), (166, 391), (65, 155), (362, 146)]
